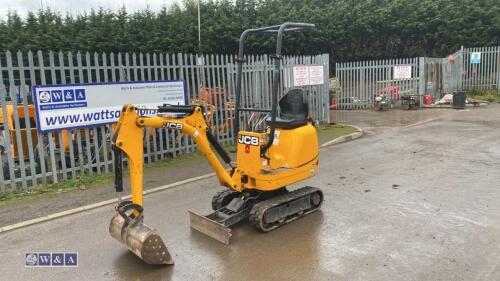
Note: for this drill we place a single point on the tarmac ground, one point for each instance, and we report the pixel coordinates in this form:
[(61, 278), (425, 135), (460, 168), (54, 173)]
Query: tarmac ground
[(416, 198)]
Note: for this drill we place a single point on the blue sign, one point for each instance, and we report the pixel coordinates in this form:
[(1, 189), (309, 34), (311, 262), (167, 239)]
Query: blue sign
[(71, 106), (475, 57), (69, 259)]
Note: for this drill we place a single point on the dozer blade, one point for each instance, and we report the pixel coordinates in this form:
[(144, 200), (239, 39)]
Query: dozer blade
[(210, 227), (141, 239)]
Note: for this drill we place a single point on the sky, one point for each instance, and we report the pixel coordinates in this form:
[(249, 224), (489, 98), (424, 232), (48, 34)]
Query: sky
[(78, 6)]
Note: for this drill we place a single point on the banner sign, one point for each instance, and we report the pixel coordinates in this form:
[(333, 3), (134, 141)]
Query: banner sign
[(304, 75), (88, 105), (402, 72)]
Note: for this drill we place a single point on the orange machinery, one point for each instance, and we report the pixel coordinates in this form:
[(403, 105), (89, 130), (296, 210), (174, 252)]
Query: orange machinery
[(9, 124)]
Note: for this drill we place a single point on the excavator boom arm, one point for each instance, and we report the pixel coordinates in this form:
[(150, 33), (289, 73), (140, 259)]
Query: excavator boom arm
[(129, 139)]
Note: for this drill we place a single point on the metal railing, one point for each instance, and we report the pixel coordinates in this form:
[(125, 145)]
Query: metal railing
[(30, 157), (361, 81), (482, 75)]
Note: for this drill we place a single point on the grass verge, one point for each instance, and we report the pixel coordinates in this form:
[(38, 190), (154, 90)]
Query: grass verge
[(80, 182), (329, 132), (490, 95)]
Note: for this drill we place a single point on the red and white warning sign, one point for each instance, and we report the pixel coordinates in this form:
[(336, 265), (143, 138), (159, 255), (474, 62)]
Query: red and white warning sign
[(300, 75), (304, 75)]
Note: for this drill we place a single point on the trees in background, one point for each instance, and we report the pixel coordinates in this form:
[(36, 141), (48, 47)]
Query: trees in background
[(347, 29)]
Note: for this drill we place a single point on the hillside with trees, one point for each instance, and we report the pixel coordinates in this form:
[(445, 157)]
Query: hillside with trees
[(346, 29)]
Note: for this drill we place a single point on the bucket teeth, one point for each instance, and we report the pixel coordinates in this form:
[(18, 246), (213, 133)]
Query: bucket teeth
[(142, 240)]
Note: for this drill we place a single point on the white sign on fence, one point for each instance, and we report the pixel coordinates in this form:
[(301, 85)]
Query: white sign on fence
[(402, 71), (88, 105), (304, 75), (475, 57), (316, 75), (300, 75)]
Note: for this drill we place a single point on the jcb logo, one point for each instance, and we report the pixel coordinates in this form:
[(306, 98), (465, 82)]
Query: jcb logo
[(170, 125), (248, 140)]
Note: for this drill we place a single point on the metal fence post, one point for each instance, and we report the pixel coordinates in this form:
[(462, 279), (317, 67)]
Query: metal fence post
[(421, 75)]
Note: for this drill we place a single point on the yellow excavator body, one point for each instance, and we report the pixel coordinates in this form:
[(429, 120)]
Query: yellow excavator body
[(285, 152), (292, 158), (290, 150)]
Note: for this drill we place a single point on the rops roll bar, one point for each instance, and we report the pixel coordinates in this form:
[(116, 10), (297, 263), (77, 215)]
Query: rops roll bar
[(279, 30)]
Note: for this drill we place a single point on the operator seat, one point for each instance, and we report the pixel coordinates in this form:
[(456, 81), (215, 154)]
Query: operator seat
[(294, 110)]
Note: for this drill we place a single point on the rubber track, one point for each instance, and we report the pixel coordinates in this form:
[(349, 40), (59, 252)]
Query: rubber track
[(257, 213), (218, 199)]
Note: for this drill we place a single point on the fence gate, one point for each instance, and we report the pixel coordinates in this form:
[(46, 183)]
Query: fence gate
[(452, 72)]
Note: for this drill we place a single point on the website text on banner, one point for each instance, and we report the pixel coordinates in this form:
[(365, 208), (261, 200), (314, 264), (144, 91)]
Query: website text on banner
[(87, 105)]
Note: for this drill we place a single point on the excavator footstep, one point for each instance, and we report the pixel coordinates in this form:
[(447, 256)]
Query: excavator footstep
[(142, 240), (210, 227)]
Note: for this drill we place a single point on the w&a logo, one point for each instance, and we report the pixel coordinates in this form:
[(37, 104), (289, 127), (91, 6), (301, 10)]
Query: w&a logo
[(69, 259)]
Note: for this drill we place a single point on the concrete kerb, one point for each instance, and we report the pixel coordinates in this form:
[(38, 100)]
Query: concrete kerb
[(96, 205), (351, 136), (50, 217)]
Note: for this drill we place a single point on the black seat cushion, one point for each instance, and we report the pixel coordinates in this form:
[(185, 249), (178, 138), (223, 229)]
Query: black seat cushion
[(294, 110), (286, 123)]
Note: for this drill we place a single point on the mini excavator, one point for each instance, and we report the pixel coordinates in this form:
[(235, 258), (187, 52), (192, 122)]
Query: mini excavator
[(284, 153)]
